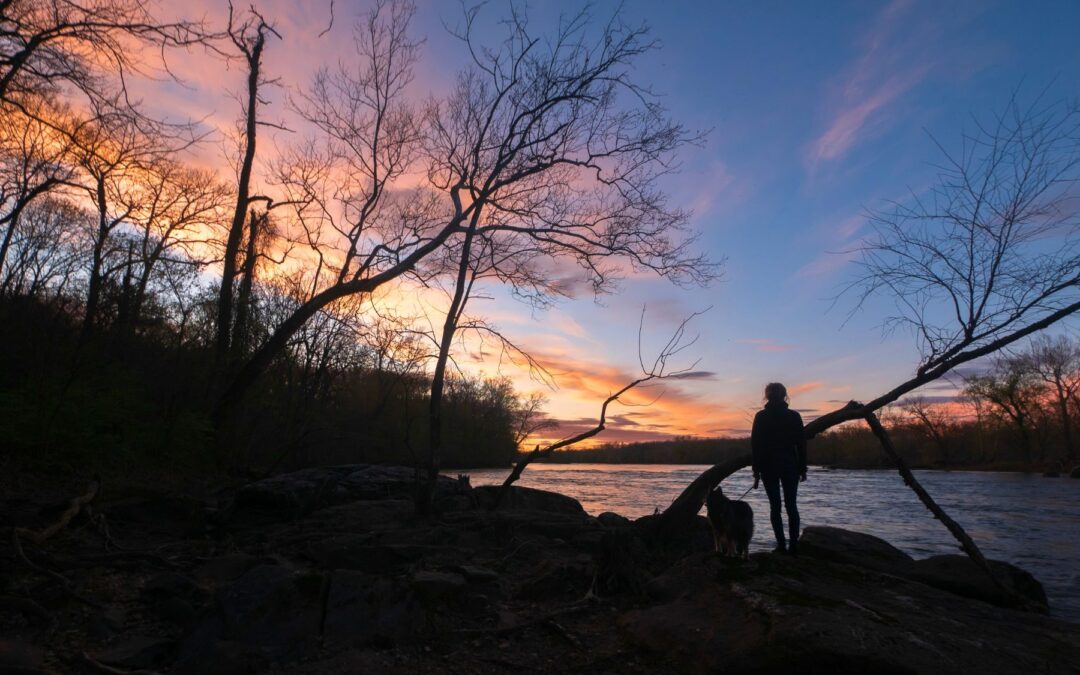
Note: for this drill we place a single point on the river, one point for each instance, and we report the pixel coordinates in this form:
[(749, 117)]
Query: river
[(1025, 519)]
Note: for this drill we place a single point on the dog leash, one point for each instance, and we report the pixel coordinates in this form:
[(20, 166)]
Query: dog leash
[(745, 493)]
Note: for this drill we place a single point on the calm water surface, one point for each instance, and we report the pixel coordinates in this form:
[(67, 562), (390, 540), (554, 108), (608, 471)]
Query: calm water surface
[(1028, 520)]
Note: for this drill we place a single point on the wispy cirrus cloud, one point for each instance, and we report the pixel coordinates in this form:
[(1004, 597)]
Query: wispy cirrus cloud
[(889, 65)]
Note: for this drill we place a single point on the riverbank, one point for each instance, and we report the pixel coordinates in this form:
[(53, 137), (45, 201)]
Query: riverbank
[(329, 570)]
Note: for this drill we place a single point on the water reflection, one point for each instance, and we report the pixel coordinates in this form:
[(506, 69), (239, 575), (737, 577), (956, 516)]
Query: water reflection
[(1031, 521)]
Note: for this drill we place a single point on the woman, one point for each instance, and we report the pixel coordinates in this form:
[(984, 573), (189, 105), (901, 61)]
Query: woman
[(779, 446)]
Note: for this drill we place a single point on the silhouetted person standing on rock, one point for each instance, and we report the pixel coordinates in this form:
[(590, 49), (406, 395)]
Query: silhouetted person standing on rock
[(779, 446)]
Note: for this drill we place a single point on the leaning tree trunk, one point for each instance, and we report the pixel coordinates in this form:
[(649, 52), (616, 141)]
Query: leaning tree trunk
[(966, 543)]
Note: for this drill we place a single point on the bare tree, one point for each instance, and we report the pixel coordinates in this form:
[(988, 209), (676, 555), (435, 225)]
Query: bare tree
[(114, 153), (44, 254), (548, 143), (1010, 387), (530, 418), (169, 209), (934, 421), (1056, 361), (33, 161), (248, 38), (91, 46)]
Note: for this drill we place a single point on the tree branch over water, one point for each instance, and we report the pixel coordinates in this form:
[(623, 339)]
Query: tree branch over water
[(658, 370)]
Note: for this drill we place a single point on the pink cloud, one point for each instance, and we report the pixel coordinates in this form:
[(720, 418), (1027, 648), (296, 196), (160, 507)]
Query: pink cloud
[(804, 388), (767, 345), (850, 124)]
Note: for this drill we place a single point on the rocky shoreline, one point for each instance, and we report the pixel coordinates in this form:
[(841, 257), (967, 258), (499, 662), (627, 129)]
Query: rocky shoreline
[(329, 570)]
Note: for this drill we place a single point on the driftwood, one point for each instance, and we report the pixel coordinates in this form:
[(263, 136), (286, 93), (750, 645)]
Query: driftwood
[(74, 506)]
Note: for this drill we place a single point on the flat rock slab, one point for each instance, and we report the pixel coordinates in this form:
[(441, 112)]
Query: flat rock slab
[(528, 498)]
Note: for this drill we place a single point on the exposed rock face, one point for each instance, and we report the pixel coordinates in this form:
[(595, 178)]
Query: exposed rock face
[(775, 613), (329, 570)]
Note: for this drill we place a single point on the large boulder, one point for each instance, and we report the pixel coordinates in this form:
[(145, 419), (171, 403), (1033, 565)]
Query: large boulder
[(854, 548), (527, 498), (960, 575)]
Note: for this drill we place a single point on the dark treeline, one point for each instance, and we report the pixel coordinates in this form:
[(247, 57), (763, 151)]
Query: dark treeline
[(675, 451)]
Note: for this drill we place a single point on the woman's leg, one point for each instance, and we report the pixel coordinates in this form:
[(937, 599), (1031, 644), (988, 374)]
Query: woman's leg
[(772, 489), (790, 480)]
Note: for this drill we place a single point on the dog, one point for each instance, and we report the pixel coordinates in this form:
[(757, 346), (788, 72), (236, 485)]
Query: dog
[(732, 524)]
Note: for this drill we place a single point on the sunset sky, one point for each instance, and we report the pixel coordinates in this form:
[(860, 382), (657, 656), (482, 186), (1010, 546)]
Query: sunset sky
[(816, 113)]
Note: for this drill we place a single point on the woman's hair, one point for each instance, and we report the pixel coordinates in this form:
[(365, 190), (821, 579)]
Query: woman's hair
[(775, 392)]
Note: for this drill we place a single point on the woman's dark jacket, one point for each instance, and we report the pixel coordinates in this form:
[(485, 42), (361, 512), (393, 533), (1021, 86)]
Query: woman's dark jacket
[(778, 440)]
